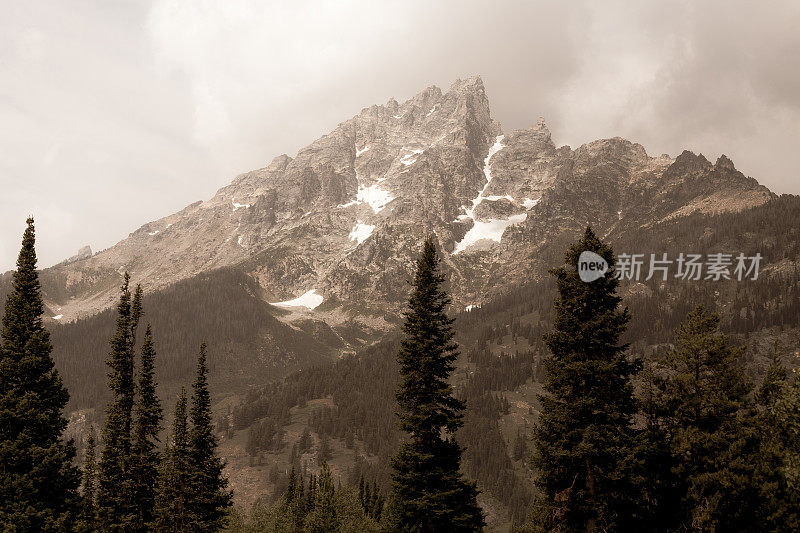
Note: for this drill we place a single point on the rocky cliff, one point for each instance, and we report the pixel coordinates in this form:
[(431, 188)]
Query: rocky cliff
[(333, 231)]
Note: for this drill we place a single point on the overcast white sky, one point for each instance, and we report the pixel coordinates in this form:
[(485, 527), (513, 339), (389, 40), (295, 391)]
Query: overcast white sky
[(116, 113)]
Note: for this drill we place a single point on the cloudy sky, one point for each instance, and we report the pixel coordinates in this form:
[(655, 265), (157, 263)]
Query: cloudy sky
[(116, 113)]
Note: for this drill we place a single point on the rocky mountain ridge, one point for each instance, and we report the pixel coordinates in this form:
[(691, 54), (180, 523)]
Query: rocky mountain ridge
[(333, 231)]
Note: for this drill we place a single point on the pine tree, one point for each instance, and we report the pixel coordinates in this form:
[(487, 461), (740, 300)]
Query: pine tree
[(324, 450), (304, 444), (147, 425), (520, 446), (293, 507), (377, 509), (430, 492), (300, 503), (704, 406), (38, 483), (311, 496), (584, 440), (136, 315), (115, 498), (787, 414), (774, 381), (350, 515), (322, 518), (88, 521), (655, 479), (780, 450), (210, 498), (172, 512), (367, 498)]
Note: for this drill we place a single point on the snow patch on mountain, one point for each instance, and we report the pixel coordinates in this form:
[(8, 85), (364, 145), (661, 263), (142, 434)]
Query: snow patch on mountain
[(432, 110), (528, 203), (493, 228), (309, 300), (372, 195), (437, 141), (360, 232), (410, 159), (359, 152), (237, 206), (496, 198)]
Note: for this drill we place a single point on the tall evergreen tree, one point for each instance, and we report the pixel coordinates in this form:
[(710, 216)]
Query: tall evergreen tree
[(350, 515), (210, 497), (293, 506), (774, 381), (430, 493), (322, 518), (779, 461), (584, 439), (324, 450), (655, 479), (311, 495), (88, 519), (136, 314), (115, 499), (702, 395), (38, 483), (147, 425), (786, 516), (172, 507)]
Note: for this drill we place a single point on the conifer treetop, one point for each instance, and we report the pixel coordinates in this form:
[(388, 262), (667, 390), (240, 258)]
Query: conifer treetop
[(428, 354), (38, 483), (24, 306)]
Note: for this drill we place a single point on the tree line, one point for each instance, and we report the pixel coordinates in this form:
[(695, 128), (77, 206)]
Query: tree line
[(134, 485), (692, 449)]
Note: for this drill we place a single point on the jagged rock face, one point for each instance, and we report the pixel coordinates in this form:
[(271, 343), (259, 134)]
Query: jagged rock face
[(84, 253), (346, 216)]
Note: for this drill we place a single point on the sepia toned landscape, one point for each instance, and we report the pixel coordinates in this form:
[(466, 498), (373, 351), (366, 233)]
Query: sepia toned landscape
[(421, 320)]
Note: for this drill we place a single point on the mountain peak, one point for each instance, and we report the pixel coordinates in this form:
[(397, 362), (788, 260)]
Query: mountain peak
[(279, 163), (357, 199), (471, 84), (724, 163), (688, 161), (84, 253)]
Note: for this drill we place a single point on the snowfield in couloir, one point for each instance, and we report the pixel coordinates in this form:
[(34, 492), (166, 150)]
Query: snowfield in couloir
[(309, 300)]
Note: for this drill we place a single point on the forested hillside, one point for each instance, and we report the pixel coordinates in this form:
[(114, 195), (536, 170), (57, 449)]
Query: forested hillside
[(501, 367), (499, 372), (247, 342)]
